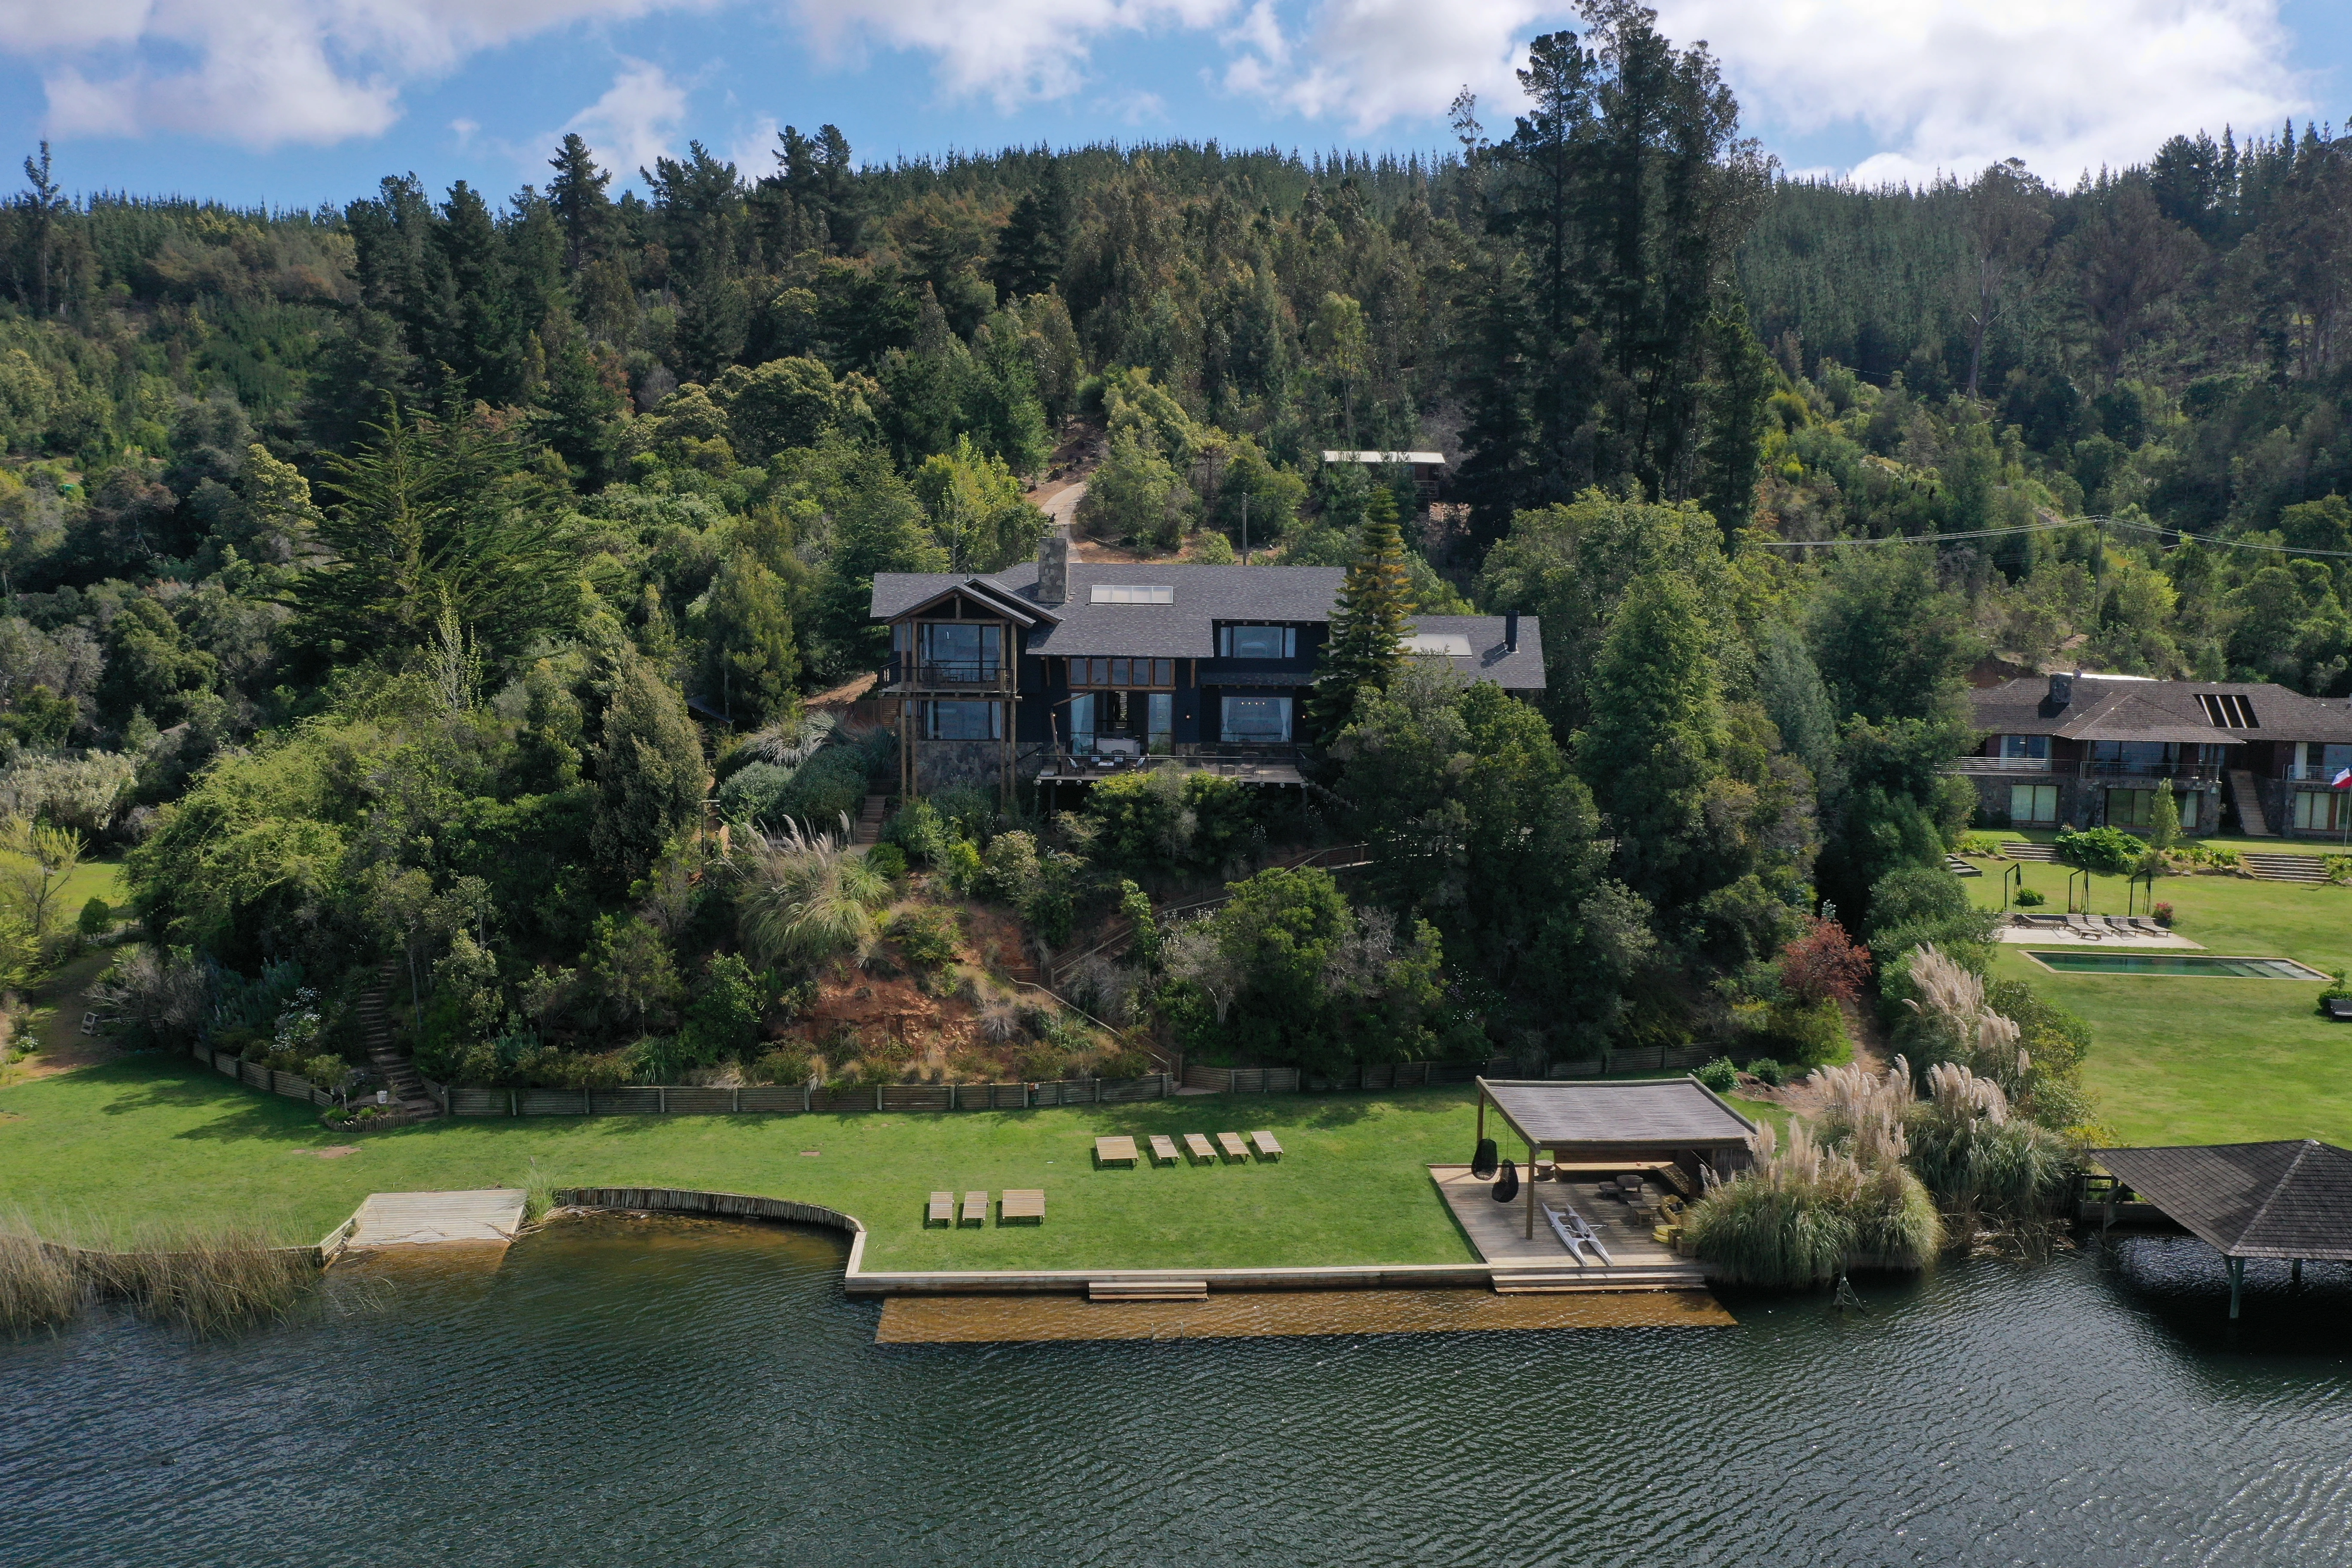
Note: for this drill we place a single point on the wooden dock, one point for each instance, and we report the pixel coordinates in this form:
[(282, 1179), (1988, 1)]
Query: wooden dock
[(1542, 1264), (486, 1217), (1250, 1314)]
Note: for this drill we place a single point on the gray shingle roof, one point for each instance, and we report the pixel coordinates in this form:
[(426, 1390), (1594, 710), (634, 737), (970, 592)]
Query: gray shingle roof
[(2250, 1200), (2105, 710), (1205, 595)]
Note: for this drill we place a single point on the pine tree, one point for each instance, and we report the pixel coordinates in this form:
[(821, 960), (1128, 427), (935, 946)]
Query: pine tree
[(649, 771), (577, 194), (752, 660), (1368, 629), (1655, 743), (1031, 246)]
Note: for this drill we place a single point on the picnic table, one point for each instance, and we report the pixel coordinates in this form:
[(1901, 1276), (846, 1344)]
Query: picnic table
[(1023, 1202), (1115, 1152)]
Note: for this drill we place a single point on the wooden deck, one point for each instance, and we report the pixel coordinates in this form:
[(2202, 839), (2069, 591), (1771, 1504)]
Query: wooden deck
[(1499, 1232), (996, 1319), (486, 1217)]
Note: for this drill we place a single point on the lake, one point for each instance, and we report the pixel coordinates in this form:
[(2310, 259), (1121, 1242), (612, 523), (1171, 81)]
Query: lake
[(631, 1392)]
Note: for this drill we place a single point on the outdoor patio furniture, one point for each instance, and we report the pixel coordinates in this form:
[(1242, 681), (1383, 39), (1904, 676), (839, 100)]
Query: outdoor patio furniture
[(2340, 1009), (1023, 1204), (942, 1209), (2142, 923), (1267, 1149), (1163, 1149), (975, 1208), (1198, 1147), (1116, 1151), (1230, 1143), (2082, 927)]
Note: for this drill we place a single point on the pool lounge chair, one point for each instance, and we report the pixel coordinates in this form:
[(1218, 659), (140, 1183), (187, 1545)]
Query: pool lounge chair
[(1267, 1149), (1199, 1148), (1235, 1149), (975, 1208), (2340, 1009), (942, 1209), (1163, 1149), (2082, 927)]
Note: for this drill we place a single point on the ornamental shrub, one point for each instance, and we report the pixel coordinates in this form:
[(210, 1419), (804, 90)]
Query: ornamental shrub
[(1719, 1075), (1766, 1070), (887, 861), (2163, 913), (2027, 899), (2107, 851)]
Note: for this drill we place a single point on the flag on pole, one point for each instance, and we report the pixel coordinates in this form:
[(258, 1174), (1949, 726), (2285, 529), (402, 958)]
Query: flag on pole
[(2341, 780)]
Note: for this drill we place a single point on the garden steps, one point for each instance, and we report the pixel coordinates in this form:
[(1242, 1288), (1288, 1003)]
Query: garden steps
[(1632, 1277), (1963, 868), (2044, 853), (2249, 796), (390, 1062), (2284, 867), (870, 819)]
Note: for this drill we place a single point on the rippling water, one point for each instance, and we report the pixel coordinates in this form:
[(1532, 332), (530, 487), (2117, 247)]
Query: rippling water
[(651, 1393)]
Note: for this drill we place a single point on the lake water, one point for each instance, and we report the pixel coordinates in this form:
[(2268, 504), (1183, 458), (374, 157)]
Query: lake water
[(652, 1393)]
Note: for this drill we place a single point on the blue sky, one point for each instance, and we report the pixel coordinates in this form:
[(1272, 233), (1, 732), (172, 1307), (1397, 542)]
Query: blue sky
[(297, 102)]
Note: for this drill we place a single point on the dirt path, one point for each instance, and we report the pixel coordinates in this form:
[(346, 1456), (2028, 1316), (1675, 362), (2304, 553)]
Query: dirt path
[(58, 1004), (1870, 1053)]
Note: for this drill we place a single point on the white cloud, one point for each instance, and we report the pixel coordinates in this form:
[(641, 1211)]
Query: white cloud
[(634, 122), (1012, 51), (1367, 62), (1953, 85), (264, 72)]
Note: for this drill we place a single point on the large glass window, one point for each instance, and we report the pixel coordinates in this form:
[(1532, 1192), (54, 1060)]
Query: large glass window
[(2319, 810), (2032, 804), (955, 650), (1161, 724), (2131, 807), (2025, 746), (2324, 762), (1082, 722), (1257, 642), (966, 722), (2188, 801), (1255, 721), (1122, 672)]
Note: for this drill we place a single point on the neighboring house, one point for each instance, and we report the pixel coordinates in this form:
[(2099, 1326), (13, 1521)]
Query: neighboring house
[(1066, 671), (2082, 750)]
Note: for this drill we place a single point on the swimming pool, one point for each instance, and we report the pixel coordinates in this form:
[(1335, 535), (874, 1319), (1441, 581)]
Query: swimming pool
[(2076, 962)]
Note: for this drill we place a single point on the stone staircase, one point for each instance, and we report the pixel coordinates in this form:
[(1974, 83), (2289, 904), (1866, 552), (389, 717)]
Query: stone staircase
[(869, 820), (390, 1062), (2044, 854), (2248, 795), (2284, 867), (1564, 1280), (1960, 867)]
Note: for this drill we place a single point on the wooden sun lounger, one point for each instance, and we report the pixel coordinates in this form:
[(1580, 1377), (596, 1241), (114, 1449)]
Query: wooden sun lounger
[(1115, 1152), (1198, 1147), (1163, 1149), (942, 1209), (1230, 1143), (975, 1208), (1267, 1149), (1022, 1203)]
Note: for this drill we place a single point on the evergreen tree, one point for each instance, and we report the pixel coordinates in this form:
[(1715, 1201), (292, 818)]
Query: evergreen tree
[(1031, 246), (1654, 747), (649, 771), (1368, 627), (582, 207), (751, 661)]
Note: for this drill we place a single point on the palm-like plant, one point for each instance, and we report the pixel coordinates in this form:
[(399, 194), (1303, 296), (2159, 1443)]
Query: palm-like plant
[(806, 897)]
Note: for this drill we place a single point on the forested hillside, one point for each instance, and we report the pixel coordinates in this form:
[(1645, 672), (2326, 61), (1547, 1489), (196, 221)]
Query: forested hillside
[(397, 581)]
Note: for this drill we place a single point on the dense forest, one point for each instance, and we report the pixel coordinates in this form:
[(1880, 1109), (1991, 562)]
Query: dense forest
[(423, 582)]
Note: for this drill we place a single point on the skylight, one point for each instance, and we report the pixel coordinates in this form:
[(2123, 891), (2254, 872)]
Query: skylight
[(2228, 710), (1451, 643), (1133, 594)]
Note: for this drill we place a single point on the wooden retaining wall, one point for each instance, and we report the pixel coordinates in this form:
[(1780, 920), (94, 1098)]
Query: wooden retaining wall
[(777, 1100)]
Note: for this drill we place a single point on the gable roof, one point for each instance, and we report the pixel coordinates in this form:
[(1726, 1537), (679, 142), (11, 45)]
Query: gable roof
[(2107, 709), (1203, 596), (2250, 1200)]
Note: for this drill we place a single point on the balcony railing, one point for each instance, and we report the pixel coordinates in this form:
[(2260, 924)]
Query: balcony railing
[(1240, 762), (2310, 773), (2003, 765), (2092, 768), (908, 673)]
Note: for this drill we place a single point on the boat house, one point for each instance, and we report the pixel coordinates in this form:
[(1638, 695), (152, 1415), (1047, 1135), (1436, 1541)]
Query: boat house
[(2288, 1201), (1065, 672), (2088, 751)]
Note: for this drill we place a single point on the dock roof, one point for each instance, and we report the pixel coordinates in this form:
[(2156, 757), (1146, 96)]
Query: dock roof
[(2289, 1200), (1666, 1114)]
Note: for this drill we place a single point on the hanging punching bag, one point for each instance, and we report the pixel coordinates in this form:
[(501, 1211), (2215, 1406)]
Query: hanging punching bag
[(1481, 1163), (1506, 1185)]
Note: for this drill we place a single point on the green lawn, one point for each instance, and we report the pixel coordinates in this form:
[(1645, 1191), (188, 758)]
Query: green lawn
[(148, 1140), (2196, 1061)]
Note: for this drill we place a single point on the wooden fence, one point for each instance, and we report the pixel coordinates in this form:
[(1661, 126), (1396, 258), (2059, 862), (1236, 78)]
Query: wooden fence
[(780, 1100), (1243, 1081), (256, 1076)]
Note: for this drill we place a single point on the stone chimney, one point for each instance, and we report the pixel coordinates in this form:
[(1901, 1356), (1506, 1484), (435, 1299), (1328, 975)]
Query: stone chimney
[(1053, 568), (1510, 631), (2062, 690)]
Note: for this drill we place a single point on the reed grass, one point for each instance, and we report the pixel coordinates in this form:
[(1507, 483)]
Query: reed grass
[(39, 1288), (208, 1282)]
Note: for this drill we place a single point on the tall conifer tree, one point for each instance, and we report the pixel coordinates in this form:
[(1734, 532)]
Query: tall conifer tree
[(1368, 629)]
